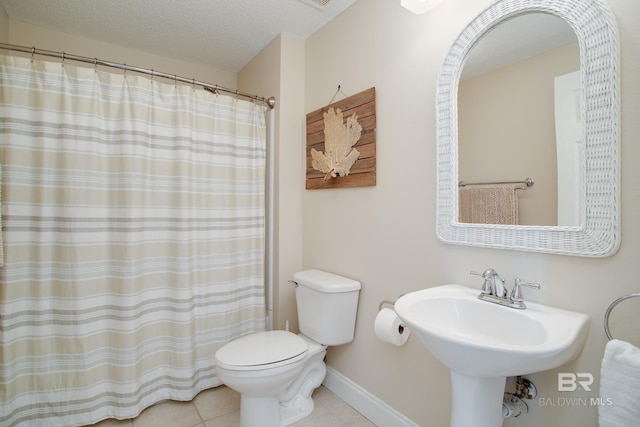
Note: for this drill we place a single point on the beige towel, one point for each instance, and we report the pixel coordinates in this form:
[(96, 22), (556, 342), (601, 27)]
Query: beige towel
[(488, 204)]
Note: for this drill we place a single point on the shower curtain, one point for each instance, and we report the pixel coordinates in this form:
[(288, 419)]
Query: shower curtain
[(133, 226)]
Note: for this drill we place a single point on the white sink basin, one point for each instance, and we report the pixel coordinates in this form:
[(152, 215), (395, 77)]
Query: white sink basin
[(483, 343), (479, 338)]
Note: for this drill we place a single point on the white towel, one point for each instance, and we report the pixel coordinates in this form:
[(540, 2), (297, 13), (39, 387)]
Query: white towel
[(619, 385)]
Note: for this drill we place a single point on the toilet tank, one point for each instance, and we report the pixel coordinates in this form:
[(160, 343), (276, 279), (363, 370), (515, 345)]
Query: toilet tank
[(327, 306)]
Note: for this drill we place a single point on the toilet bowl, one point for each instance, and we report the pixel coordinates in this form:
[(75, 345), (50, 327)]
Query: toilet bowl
[(296, 402), (260, 367), (275, 372), (275, 388)]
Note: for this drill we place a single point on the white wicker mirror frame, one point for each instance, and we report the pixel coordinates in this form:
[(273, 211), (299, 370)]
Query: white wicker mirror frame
[(598, 234)]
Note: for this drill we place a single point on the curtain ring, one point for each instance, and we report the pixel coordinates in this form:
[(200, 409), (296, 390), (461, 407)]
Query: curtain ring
[(95, 64), (33, 51), (63, 58)]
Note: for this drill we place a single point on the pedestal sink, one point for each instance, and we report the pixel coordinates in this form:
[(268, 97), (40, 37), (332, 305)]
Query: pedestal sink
[(484, 343)]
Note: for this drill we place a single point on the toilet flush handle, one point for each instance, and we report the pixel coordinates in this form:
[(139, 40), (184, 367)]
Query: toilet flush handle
[(294, 283)]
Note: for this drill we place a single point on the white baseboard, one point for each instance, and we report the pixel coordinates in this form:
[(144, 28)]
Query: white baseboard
[(377, 411)]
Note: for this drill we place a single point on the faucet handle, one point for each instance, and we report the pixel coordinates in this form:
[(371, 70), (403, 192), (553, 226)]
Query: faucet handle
[(516, 293), (475, 273), (486, 286), (488, 275)]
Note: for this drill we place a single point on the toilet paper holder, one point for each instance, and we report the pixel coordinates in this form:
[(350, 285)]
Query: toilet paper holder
[(402, 327), (386, 301)]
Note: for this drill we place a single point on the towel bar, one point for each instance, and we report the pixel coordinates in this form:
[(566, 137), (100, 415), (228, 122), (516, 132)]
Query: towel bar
[(527, 182), (611, 306)]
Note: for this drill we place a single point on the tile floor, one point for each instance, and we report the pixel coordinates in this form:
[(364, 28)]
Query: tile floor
[(220, 407)]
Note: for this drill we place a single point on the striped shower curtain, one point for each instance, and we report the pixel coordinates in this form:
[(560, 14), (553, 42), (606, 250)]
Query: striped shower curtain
[(133, 234)]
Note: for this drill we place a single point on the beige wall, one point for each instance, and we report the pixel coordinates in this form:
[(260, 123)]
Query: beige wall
[(512, 137), (42, 38), (384, 236), (4, 26)]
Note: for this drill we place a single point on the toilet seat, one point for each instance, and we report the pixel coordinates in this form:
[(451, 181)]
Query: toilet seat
[(262, 350)]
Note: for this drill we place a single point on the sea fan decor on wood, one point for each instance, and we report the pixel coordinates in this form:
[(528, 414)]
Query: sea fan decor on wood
[(339, 138), (341, 143)]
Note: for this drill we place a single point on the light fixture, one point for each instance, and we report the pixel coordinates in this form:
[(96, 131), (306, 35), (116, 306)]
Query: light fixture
[(419, 6)]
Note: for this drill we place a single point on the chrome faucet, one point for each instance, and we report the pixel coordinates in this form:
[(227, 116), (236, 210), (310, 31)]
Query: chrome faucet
[(493, 284), (494, 290)]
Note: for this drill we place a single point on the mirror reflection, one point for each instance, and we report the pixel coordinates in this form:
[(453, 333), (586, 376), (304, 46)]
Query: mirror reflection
[(519, 99)]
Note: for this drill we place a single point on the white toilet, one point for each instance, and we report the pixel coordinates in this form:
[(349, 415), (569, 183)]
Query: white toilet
[(275, 372)]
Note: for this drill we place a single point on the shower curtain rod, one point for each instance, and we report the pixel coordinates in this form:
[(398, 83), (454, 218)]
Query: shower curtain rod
[(271, 102)]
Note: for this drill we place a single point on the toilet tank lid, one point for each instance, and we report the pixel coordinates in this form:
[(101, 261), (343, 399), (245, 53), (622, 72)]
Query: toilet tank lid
[(325, 282)]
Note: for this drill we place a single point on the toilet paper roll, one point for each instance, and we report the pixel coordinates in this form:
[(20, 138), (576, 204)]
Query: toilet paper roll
[(389, 328)]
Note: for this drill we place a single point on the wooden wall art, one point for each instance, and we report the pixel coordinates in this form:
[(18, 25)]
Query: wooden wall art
[(330, 172)]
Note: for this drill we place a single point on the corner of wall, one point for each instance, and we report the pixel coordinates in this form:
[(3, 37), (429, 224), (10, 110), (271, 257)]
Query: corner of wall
[(278, 70), (291, 166)]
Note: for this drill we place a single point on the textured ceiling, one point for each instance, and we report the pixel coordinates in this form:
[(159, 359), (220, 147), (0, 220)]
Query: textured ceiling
[(225, 34)]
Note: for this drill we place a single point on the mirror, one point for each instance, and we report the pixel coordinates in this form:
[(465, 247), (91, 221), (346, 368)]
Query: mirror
[(507, 121), (593, 227)]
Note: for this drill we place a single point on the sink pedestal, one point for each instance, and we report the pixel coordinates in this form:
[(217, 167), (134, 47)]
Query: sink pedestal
[(467, 335), (476, 401)]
